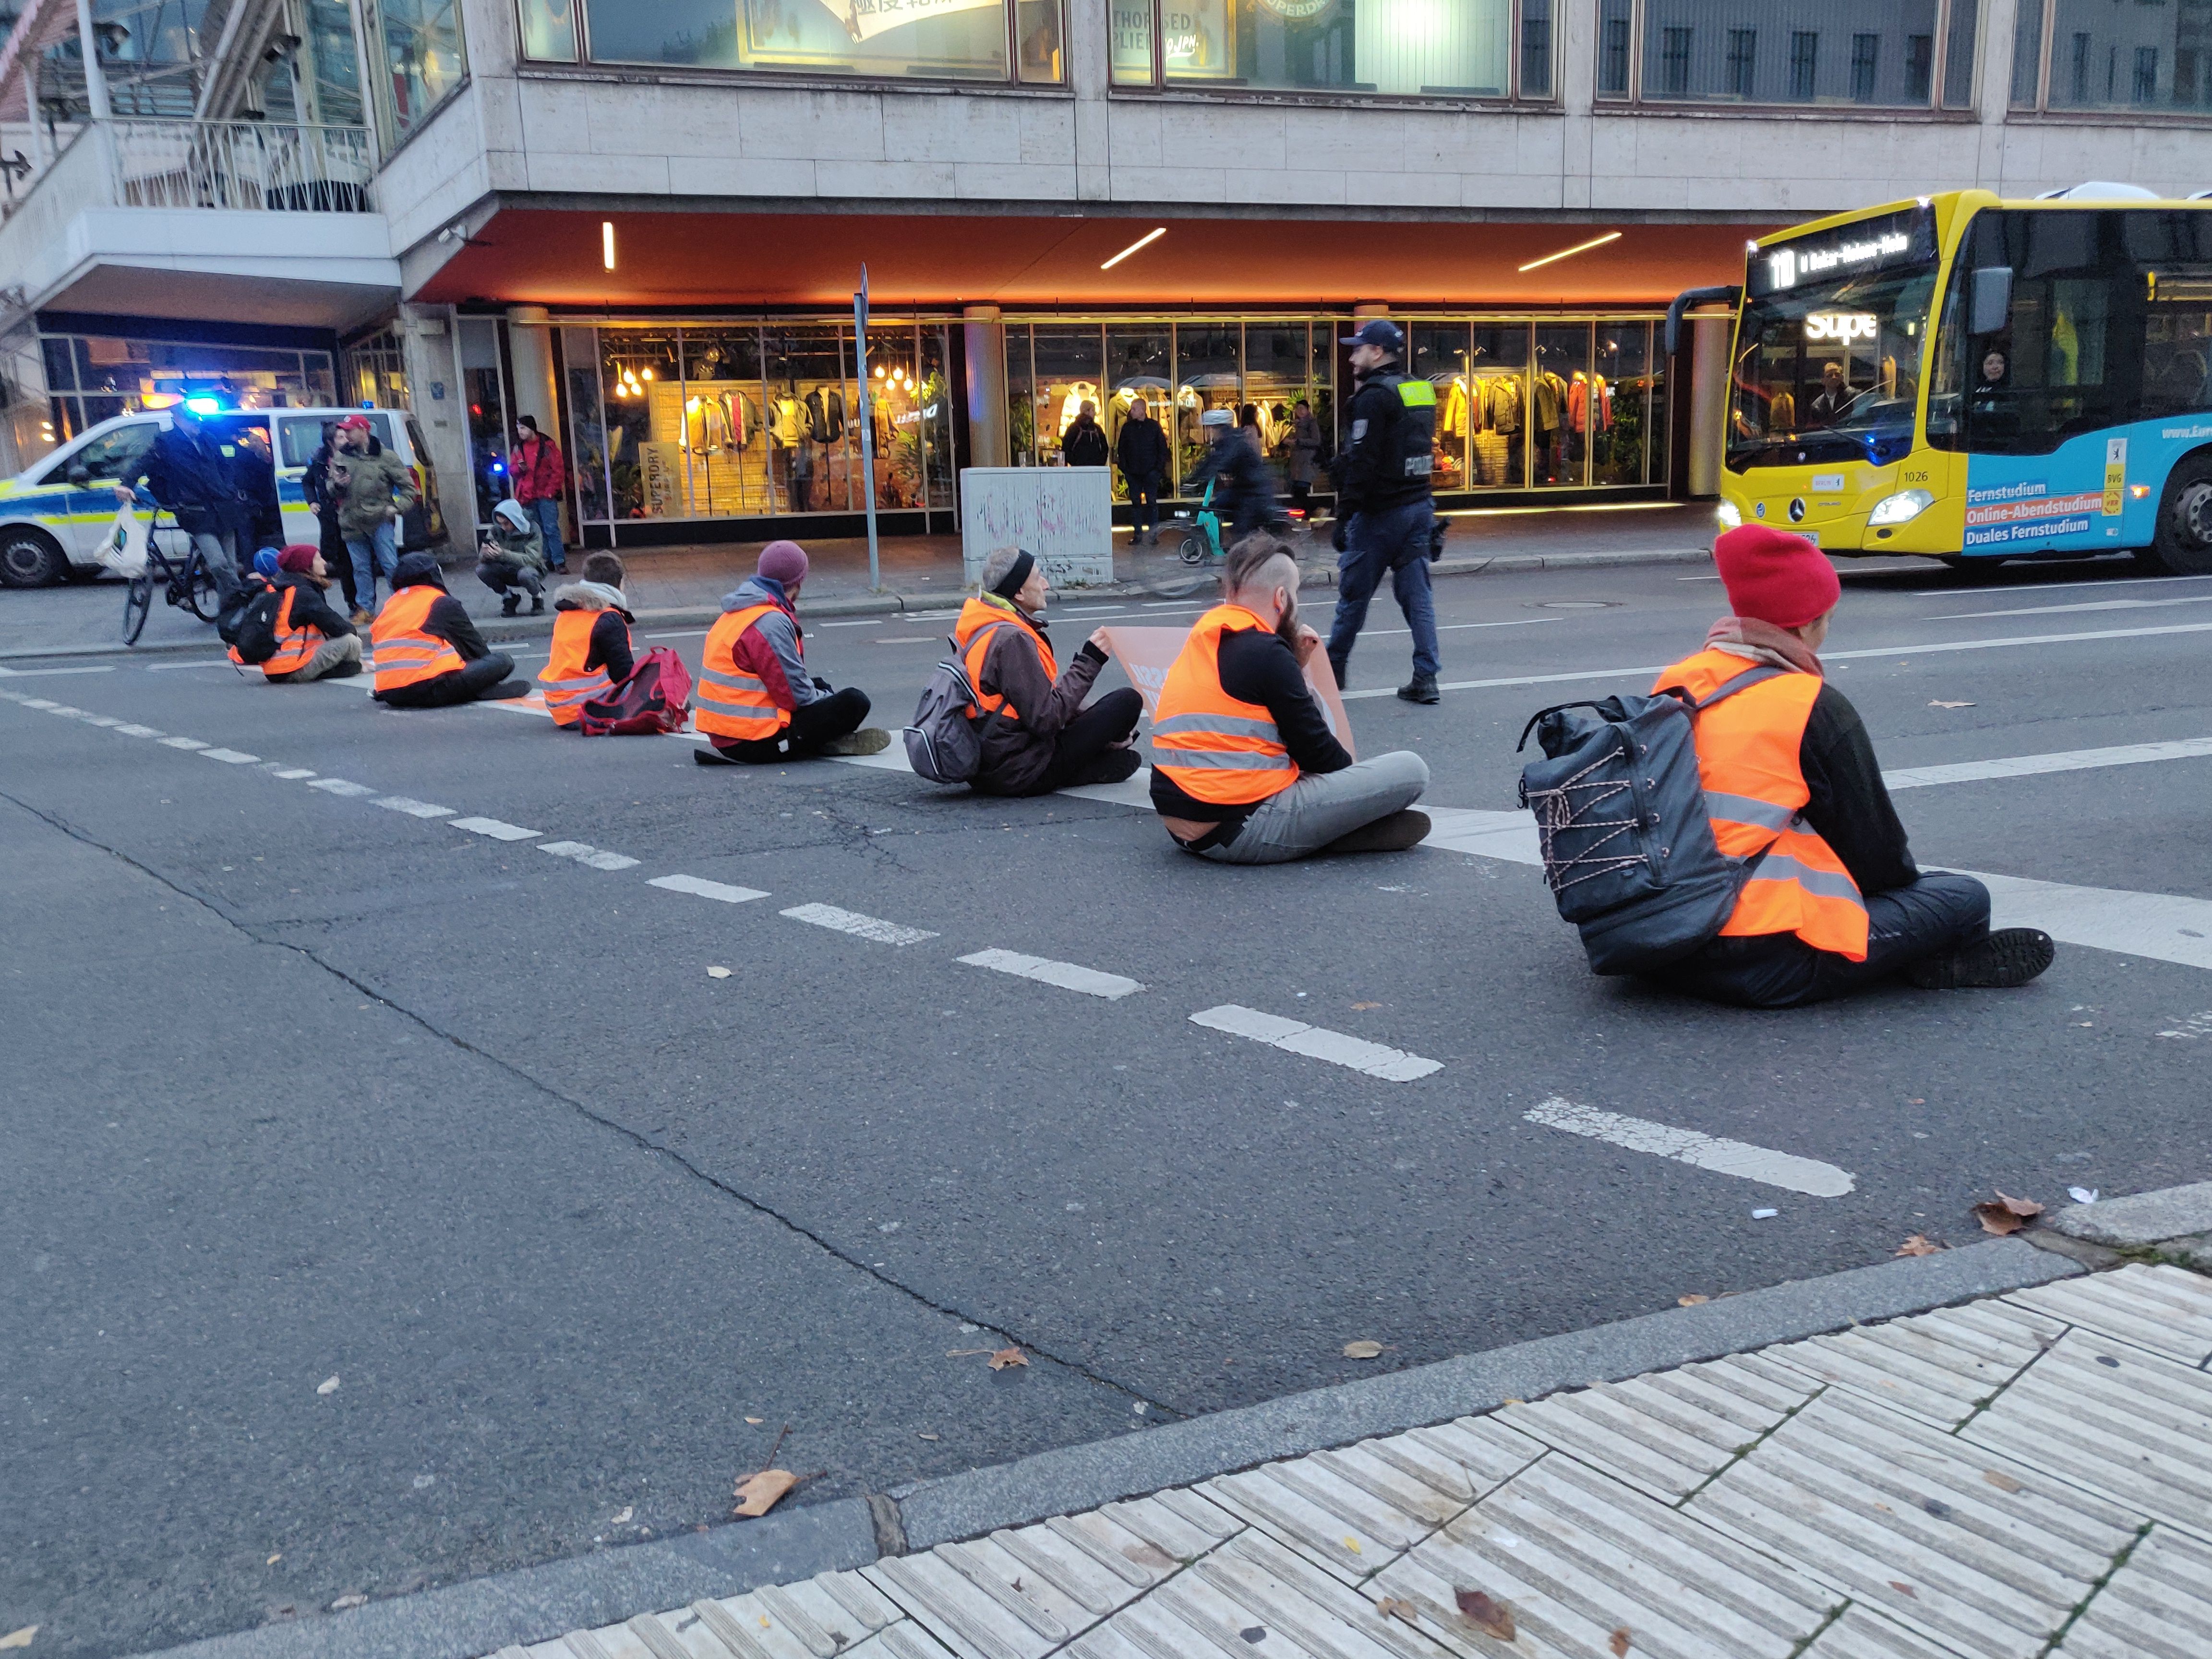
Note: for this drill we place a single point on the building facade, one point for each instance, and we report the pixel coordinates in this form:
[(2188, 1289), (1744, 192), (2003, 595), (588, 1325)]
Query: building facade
[(641, 221)]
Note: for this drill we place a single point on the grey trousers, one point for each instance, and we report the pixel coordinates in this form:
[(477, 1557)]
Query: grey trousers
[(340, 657), (1321, 806)]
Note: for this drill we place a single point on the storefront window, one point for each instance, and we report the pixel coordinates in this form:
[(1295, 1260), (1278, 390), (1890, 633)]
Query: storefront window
[(417, 43), (1437, 353), (1276, 356), (1396, 48), (1619, 396), (813, 463), (1209, 365), (1559, 405), (587, 426), (1745, 52), (642, 396), (1497, 405), (898, 401), (1021, 397), (721, 443), (936, 397), (484, 394), (946, 40), (1069, 374), (1139, 357)]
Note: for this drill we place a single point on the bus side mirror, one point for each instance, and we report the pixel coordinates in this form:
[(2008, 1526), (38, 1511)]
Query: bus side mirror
[(1989, 300)]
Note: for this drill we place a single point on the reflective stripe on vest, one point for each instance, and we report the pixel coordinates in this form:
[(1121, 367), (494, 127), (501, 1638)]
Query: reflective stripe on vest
[(296, 644), (405, 653), (1755, 790), (732, 703), (567, 684), (1212, 746)]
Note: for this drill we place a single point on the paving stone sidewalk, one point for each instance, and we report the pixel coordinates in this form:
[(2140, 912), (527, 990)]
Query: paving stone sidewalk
[(2026, 1474)]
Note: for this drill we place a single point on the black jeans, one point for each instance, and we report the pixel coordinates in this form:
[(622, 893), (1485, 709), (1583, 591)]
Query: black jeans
[(1144, 502), (503, 576), (1935, 914), (337, 557), (465, 685), (812, 725), (1084, 741)]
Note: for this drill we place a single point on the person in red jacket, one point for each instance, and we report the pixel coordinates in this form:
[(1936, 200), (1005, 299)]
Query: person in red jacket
[(540, 478)]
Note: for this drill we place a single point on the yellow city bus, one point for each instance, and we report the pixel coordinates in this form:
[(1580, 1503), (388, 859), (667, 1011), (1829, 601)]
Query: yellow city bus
[(1974, 378)]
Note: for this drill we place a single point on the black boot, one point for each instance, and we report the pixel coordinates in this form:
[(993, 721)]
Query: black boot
[(509, 603), (707, 755), (1422, 688), (2007, 958)]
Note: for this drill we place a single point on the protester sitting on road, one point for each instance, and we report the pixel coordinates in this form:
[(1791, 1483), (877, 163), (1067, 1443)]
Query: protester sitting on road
[(511, 559), (591, 654), (1245, 769), (428, 654), (313, 641), (374, 493), (1037, 736), (754, 700), (1833, 902)]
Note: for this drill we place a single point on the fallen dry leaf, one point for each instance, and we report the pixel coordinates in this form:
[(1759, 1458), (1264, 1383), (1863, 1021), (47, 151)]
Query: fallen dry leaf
[(19, 1638), (1919, 1244), (1899, 1585), (1362, 1349), (1005, 1356), (718, 973), (1361, 1007), (756, 1494), (2005, 1215), (1391, 1608), (328, 1385), (1353, 1544), (1940, 703), (1620, 1642), (2001, 1481), (1694, 1299), (756, 1420), (1492, 1619), (922, 1435)]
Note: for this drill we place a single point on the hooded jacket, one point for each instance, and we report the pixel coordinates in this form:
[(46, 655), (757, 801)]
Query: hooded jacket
[(377, 487), (770, 649), (448, 618), (609, 646), (524, 547), (1018, 747)]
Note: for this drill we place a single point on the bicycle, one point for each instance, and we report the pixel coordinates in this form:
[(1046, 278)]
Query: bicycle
[(188, 582)]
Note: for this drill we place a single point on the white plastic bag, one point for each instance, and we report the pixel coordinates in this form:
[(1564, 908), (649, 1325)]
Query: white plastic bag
[(124, 551)]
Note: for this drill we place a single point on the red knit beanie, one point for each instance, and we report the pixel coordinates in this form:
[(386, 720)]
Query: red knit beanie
[(1775, 576), (299, 557)]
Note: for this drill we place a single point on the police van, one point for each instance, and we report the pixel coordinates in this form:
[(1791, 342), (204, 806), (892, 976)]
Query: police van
[(56, 514)]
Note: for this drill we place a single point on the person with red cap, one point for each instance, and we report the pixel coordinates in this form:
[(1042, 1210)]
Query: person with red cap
[(313, 641), (1832, 902), (755, 701)]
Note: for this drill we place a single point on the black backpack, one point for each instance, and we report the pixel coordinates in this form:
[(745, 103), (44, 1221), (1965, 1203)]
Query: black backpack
[(248, 624), (1628, 846), (944, 744)]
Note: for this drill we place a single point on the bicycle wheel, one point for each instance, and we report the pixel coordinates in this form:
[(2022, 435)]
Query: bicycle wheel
[(203, 598), (137, 600)]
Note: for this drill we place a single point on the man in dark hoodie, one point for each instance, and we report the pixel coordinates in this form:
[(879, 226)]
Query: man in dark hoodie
[(755, 701), (428, 654)]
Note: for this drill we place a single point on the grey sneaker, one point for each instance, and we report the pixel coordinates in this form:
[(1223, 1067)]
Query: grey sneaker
[(868, 740), (2008, 957), (1394, 833)]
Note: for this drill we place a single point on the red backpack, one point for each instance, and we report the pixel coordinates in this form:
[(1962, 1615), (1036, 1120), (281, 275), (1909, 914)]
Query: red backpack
[(655, 698)]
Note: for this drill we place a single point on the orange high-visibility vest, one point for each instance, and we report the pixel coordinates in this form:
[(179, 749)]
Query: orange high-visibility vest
[(733, 703), (568, 685), (296, 642), (972, 635), (405, 653), (1212, 747), (1747, 749)]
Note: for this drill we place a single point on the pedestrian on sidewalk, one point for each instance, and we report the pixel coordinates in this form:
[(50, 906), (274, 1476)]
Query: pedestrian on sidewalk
[(511, 559), (428, 654), (591, 654), (1306, 445), (756, 701), (1834, 901), (375, 492), (1245, 769), (1385, 514), (313, 641), (1141, 452), (1083, 443), (1037, 736), (541, 478)]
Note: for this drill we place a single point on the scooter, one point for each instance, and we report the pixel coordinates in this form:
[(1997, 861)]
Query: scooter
[(1201, 538)]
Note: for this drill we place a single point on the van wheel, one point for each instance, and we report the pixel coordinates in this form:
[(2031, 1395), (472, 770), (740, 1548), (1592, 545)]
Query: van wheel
[(30, 558), (2183, 545)]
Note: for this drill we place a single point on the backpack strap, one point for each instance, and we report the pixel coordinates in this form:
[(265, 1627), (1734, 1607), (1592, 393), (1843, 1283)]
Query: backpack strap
[(1742, 682)]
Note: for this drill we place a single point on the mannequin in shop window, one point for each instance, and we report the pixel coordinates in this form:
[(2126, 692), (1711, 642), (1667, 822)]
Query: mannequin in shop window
[(802, 476), (1307, 456)]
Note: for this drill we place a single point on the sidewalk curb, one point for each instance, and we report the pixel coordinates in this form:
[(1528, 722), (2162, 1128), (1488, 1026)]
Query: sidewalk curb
[(537, 1604), (499, 630)]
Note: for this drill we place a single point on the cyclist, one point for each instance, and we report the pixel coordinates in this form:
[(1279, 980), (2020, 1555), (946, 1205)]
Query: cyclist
[(1245, 495), (191, 472)]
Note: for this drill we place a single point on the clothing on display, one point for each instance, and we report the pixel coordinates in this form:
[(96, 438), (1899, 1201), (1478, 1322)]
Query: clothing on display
[(1589, 402)]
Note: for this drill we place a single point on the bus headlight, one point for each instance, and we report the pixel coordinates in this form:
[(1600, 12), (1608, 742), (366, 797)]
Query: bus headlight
[(1905, 505), (1729, 514)]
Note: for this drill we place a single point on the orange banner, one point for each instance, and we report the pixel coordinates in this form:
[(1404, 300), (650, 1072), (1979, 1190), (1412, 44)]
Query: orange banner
[(1146, 654)]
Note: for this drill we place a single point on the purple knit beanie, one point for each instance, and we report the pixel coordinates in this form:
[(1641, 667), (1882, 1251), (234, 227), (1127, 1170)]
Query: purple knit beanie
[(783, 562)]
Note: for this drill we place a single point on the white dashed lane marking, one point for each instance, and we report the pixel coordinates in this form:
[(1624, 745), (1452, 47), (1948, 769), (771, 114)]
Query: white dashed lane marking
[(182, 743), (1703, 1151), (594, 857), (341, 786), (413, 808), (497, 829), (860, 926), (291, 774), (2065, 760), (1068, 976), (138, 731), (1375, 1059), (229, 757), (705, 889)]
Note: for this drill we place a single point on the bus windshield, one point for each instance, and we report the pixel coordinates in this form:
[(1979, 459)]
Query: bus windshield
[(1830, 371)]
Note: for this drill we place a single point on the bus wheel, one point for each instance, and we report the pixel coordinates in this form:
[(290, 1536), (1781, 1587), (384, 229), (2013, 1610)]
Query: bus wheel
[(2183, 547)]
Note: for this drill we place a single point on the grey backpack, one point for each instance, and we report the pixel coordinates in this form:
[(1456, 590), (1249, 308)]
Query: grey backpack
[(1628, 845), (944, 744)]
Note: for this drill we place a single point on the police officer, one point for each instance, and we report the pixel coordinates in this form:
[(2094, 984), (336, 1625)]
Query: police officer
[(1386, 516)]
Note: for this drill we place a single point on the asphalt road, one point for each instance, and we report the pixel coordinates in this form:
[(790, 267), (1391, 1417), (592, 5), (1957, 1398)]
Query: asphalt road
[(385, 1203)]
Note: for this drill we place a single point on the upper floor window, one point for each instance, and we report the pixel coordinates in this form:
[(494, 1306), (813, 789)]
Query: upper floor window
[(1390, 48), (2092, 55), (416, 58), (1908, 54), (1002, 41)]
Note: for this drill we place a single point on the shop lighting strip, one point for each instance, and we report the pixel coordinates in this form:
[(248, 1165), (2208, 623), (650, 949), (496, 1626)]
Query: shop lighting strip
[(1146, 240), (1569, 252)]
